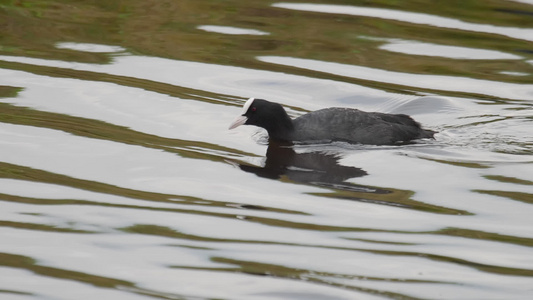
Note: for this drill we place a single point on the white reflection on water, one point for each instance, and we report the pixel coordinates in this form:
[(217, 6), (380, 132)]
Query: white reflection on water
[(530, 2), (512, 73), (125, 106), (401, 248), (410, 17), (85, 47), (286, 88), (46, 287), (436, 82), (427, 49), (231, 30)]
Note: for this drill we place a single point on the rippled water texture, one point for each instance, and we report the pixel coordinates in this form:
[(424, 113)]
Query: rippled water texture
[(120, 180)]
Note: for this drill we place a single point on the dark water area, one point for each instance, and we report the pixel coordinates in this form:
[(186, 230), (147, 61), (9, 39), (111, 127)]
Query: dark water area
[(120, 180)]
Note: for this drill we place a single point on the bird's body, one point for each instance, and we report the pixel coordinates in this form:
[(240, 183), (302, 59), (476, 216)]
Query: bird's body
[(331, 124), (352, 125)]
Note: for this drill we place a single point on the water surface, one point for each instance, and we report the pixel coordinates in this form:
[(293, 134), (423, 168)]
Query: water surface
[(120, 180)]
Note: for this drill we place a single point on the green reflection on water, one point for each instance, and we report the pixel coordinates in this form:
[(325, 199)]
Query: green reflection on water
[(24, 262), (171, 233), (169, 29), (30, 264), (488, 236), (9, 91), (38, 227), (518, 196), (29, 174), (101, 130), (317, 277), (396, 198), (509, 179)]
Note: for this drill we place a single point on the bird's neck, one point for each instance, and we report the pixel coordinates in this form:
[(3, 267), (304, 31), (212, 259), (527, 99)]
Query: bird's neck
[(281, 130)]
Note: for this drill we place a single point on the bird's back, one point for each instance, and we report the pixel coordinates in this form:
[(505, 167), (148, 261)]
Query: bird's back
[(355, 126)]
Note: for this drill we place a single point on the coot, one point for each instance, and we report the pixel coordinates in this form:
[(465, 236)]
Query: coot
[(331, 124)]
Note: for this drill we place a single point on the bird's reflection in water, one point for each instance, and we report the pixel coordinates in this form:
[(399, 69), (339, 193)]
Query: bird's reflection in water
[(320, 167), (317, 168)]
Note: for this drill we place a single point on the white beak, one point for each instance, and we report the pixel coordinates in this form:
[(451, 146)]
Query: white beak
[(240, 120)]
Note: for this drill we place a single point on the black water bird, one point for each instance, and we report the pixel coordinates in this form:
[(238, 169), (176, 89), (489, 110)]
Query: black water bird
[(331, 124)]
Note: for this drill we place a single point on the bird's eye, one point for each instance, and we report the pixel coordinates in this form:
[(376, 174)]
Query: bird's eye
[(253, 108)]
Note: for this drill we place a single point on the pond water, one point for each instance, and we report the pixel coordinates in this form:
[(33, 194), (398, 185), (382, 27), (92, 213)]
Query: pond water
[(120, 180)]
